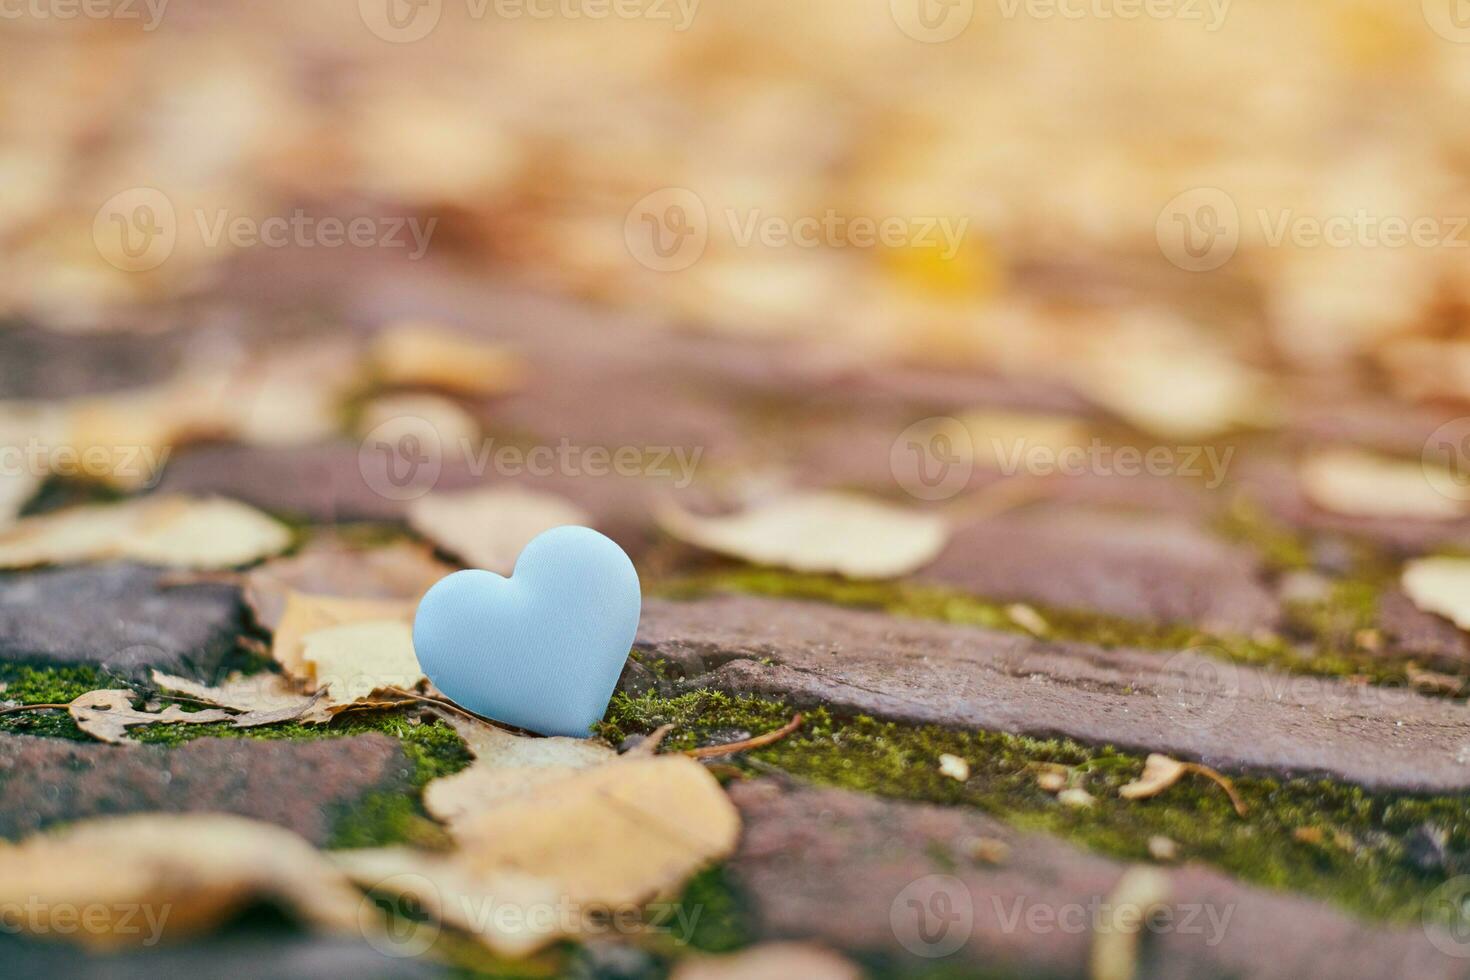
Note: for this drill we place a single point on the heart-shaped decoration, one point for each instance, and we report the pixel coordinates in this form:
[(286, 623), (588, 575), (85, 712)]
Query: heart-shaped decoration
[(541, 650)]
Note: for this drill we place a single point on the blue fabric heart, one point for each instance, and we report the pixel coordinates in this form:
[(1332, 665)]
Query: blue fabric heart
[(541, 650)]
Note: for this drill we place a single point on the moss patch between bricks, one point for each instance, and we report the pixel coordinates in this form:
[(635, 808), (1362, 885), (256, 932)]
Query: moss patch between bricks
[(1359, 850), (1330, 628)]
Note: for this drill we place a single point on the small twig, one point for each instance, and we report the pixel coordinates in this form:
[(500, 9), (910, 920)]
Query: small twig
[(32, 707), (441, 703), (651, 742), (1222, 782), (730, 748)]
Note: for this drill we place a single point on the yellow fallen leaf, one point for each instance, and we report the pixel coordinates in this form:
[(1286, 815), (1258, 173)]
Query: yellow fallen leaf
[(612, 835), (618, 833), (1440, 586), (790, 959), (1159, 773), (263, 693), (954, 767), (818, 532), (1076, 796), (354, 660), (506, 765), (331, 567), (389, 418), (132, 880), (107, 715), (998, 439), (181, 532), (1140, 893), (306, 614), (1360, 484), (488, 528), (413, 353)]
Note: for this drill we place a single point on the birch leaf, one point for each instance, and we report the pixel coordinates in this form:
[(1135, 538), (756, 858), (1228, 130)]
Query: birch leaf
[(818, 532), (488, 528)]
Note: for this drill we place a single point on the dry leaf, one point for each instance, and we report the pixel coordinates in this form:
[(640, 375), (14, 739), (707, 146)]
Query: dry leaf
[(818, 532), (789, 959), (259, 695), (1440, 586), (413, 353), (618, 833), (330, 566), (1076, 796), (488, 528), (1028, 619), (998, 438), (354, 660), (182, 532), (16, 490), (306, 614), (506, 765), (107, 715), (1359, 484), (611, 835), (1162, 848), (1140, 893), (165, 875), (390, 418), (954, 767), (1159, 773)]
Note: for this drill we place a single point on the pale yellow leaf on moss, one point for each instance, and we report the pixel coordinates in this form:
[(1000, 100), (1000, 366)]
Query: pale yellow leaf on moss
[(1159, 773), (107, 715), (1440, 586), (181, 532), (353, 660), (791, 959), (418, 353), (623, 832), (304, 614), (600, 834), (506, 765), (818, 532), (261, 694), (168, 876), (488, 528), (1361, 484)]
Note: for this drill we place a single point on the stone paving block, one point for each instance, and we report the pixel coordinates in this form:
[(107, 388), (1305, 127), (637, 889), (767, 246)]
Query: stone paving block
[(894, 880), (245, 955), (119, 616), (1411, 632), (1186, 704), (1144, 567), (297, 784)]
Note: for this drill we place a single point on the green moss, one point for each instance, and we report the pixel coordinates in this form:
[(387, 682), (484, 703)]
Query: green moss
[(386, 818), (1363, 862), (49, 685), (720, 917), (1279, 547), (1327, 652)]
